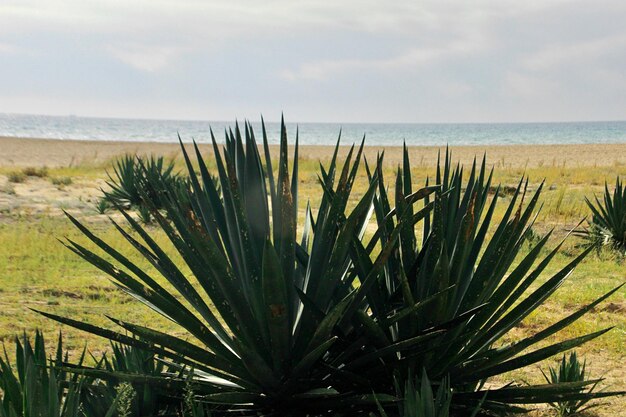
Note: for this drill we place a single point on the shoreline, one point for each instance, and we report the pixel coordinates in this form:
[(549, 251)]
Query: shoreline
[(53, 153)]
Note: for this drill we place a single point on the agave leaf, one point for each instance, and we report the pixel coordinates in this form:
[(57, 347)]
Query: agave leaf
[(531, 357), (518, 347), (392, 350), (231, 398), (530, 303), (542, 393), (310, 358), (276, 308), (187, 349)]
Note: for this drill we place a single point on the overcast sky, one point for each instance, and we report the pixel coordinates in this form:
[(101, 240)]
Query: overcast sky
[(336, 61)]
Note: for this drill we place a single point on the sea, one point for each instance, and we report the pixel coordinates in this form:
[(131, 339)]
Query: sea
[(379, 134)]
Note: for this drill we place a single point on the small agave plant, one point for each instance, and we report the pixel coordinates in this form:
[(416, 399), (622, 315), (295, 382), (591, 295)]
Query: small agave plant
[(572, 370), (418, 399), (41, 386), (608, 222), (36, 390), (275, 319), (129, 172)]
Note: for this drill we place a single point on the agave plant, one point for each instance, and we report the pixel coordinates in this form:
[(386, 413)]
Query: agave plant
[(145, 399), (570, 370), (39, 386), (334, 321), (143, 212), (262, 310), (123, 182), (418, 399), (102, 205), (36, 390), (608, 222), (128, 173), (455, 268)]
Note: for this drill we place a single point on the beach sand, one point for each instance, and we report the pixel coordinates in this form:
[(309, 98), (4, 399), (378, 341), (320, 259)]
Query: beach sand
[(20, 152)]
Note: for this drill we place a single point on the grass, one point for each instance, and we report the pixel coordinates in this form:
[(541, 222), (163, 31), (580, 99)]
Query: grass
[(40, 273), (37, 272), (85, 169), (41, 172), (16, 177), (61, 181)]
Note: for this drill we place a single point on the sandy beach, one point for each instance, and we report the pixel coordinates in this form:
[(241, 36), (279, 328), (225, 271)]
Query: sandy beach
[(20, 152)]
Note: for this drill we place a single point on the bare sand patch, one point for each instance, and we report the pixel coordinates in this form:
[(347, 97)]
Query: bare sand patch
[(39, 197)]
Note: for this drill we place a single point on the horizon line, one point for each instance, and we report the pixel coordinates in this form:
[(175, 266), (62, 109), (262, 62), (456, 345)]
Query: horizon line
[(69, 116)]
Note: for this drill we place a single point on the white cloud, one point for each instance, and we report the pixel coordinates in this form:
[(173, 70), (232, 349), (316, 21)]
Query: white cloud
[(556, 56), (409, 60), (6, 48), (148, 58), (520, 85), (455, 89), (611, 79), (491, 56), (253, 17)]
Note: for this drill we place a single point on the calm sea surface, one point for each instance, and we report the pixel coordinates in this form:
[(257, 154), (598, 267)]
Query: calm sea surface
[(71, 127)]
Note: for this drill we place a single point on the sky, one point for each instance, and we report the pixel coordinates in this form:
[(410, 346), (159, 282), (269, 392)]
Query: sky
[(316, 61)]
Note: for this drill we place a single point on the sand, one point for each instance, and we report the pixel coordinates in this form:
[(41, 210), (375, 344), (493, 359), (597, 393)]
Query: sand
[(20, 152)]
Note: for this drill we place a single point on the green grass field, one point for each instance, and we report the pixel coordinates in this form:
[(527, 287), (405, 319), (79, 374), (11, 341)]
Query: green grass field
[(38, 272)]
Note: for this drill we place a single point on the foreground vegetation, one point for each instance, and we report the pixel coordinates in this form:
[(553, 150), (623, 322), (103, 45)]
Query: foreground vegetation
[(527, 249)]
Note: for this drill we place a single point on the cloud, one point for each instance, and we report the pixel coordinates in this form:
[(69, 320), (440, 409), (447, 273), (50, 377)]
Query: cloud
[(200, 19), (319, 59), (6, 48), (525, 86), (455, 89), (409, 60), (558, 55), (575, 71), (149, 58)]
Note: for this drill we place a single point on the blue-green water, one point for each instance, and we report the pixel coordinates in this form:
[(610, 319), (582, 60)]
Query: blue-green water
[(379, 134)]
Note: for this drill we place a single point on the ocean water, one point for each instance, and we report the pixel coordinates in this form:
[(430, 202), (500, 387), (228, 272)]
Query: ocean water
[(379, 134)]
